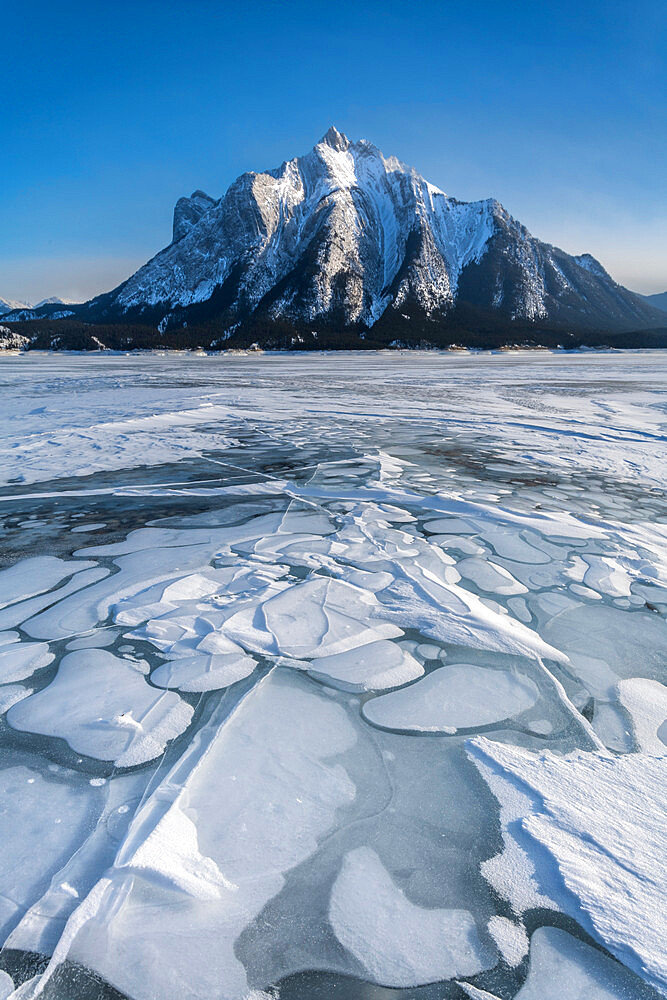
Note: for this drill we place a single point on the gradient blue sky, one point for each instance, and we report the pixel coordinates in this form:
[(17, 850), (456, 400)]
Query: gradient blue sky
[(111, 111)]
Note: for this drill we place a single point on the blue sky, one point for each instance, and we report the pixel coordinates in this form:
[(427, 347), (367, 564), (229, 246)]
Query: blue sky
[(110, 112)]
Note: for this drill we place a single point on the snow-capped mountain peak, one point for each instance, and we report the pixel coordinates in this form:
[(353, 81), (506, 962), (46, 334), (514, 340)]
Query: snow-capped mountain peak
[(19, 311), (328, 232), (7, 305), (345, 235), (589, 263), (54, 301), (337, 140), (188, 212)]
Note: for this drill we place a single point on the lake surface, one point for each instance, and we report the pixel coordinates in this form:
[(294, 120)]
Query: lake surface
[(333, 676)]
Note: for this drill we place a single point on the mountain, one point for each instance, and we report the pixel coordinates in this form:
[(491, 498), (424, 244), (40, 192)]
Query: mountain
[(347, 238), (53, 301), (9, 305), (658, 301), (21, 311)]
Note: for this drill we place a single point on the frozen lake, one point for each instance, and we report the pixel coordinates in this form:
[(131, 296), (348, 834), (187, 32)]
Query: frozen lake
[(333, 676)]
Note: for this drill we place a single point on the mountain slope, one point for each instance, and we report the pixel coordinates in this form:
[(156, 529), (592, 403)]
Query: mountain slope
[(345, 236), (22, 311), (10, 305), (54, 301), (658, 301)]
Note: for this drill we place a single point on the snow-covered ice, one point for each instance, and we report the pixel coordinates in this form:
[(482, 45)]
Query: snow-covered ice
[(19, 660), (371, 667), (564, 968), (646, 702), (204, 671), (595, 834), (510, 937)]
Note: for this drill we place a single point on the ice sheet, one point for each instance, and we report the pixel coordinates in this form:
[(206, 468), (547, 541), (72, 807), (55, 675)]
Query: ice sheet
[(510, 937), (104, 708), (456, 696), (19, 660), (564, 968), (498, 514), (646, 702), (203, 671), (35, 575), (206, 854), (398, 943), (371, 667), (41, 818)]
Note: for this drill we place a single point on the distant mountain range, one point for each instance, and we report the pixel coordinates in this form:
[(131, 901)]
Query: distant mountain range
[(345, 238), (11, 306), (658, 301)]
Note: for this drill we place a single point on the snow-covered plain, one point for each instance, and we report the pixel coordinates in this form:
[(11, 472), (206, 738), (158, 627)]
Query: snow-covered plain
[(320, 675)]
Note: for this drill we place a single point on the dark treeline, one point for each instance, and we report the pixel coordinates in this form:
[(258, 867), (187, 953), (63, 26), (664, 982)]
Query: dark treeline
[(476, 332)]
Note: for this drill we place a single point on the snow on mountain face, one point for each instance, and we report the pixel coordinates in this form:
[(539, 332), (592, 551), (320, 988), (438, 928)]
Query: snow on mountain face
[(10, 341), (346, 234), (188, 212), (8, 305), (20, 311), (589, 263), (346, 218), (54, 301)]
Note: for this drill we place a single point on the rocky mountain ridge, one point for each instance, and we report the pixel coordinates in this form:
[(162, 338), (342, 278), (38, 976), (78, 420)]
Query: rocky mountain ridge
[(347, 238)]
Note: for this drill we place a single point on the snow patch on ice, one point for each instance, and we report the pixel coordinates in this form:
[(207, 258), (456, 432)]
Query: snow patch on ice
[(600, 821), (398, 943), (456, 696), (102, 705), (646, 703)]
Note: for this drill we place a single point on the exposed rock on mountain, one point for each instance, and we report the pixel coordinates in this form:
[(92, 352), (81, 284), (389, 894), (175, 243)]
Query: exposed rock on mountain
[(347, 237)]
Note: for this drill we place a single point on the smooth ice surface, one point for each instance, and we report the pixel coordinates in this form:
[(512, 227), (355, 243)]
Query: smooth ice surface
[(33, 576), (565, 968), (398, 943), (19, 660), (203, 671), (22, 612), (371, 667), (489, 576), (40, 818), (104, 708), (206, 855), (456, 696)]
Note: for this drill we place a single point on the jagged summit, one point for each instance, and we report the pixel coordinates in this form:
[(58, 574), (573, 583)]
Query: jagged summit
[(347, 236), (337, 140), (10, 305), (188, 211), (52, 306), (588, 261)]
